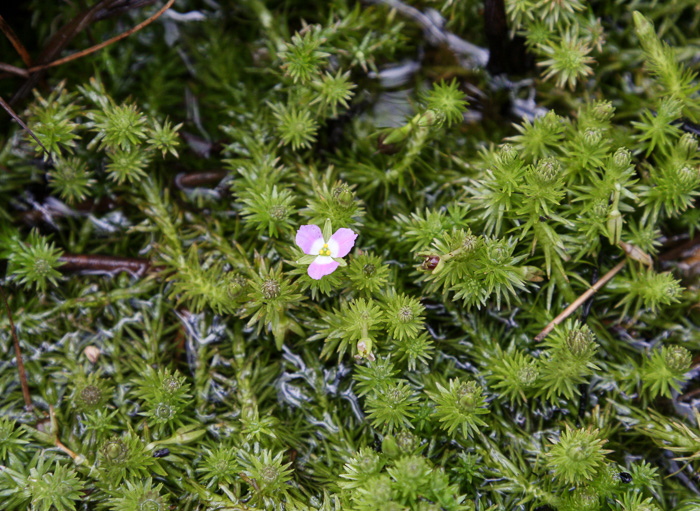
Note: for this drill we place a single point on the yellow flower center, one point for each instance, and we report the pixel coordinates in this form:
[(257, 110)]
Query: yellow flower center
[(325, 251)]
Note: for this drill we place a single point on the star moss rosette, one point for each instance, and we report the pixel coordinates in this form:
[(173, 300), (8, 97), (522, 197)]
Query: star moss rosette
[(324, 252)]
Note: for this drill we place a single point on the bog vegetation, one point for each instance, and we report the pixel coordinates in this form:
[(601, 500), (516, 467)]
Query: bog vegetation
[(513, 329)]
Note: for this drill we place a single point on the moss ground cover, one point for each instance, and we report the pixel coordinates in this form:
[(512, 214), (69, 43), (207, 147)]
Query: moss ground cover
[(364, 255)]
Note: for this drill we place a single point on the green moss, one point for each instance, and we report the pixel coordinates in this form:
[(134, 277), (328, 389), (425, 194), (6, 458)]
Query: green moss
[(180, 352)]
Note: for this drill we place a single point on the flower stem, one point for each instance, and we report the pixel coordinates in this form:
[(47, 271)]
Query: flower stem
[(18, 353)]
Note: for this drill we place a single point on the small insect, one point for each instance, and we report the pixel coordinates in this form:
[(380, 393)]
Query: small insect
[(625, 477), (161, 453)]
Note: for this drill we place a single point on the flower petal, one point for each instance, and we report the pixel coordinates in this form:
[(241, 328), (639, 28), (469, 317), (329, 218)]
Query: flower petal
[(307, 235), (342, 242), (320, 267)]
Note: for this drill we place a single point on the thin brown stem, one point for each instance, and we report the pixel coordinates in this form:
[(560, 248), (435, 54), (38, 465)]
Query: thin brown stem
[(688, 395), (104, 265), (19, 47), (18, 353), (106, 43), (580, 300), (198, 179), (16, 117), (60, 39)]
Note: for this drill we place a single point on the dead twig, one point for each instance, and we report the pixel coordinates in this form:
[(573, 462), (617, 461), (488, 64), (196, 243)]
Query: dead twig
[(18, 354), (23, 53), (59, 41), (79, 25), (12, 113), (92, 264), (580, 300), (688, 395), (14, 70), (198, 179), (104, 44), (103, 9)]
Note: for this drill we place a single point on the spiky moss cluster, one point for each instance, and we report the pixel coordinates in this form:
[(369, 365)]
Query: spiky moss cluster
[(395, 479), (577, 455), (71, 179), (270, 211), (474, 234), (33, 262), (59, 488), (12, 437), (569, 360), (123, 456), (219, 465), (90, 393), (459, 406), (165, 394), (514, 374), (368, 274), (141, 496), (665, 370)]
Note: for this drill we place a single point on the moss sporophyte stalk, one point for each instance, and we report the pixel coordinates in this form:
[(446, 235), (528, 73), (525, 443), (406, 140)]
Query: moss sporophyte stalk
[(397, 255)]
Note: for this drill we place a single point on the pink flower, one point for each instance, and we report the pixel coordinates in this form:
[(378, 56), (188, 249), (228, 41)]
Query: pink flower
[(323, 251)]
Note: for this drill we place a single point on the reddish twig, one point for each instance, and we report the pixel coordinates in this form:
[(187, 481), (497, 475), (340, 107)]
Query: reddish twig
[(23, 53), (18, 353), (688, 395), (16, 43), (580, 300), (59, 41), (99, 11), (104, 265), (197, 179), (104, 44)]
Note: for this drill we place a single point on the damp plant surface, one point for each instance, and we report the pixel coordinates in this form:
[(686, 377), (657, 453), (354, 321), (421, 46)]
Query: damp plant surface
[(400, 255)]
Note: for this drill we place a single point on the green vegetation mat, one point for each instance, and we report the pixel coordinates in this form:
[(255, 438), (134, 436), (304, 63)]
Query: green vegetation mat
[(430, 255)]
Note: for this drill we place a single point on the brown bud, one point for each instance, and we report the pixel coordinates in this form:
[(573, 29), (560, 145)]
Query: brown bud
[(430, 263)]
